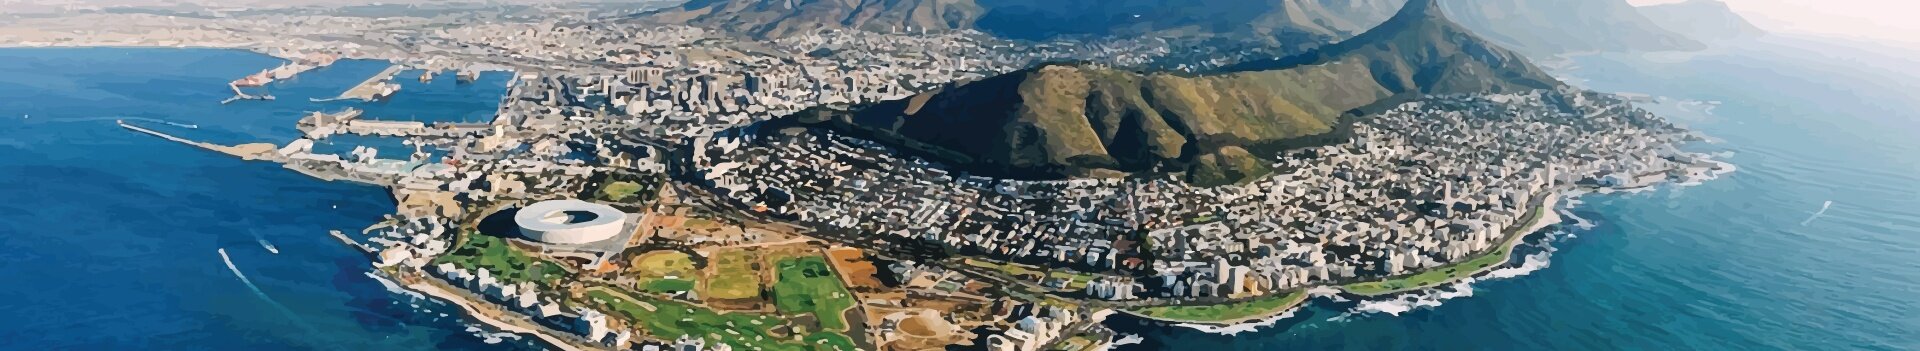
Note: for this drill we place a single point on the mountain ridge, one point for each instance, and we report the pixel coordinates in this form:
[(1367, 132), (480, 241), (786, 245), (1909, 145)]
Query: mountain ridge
[(1273, 20), (1566, 26), (1070, 120), (1703, 20)]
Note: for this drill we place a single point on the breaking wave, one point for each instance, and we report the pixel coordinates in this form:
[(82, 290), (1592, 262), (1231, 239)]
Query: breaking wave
[(491, 338), (1434, 297), (395, 288), (1312, 293)]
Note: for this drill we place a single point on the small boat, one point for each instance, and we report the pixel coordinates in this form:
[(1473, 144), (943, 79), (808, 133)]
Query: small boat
[(269, 246)]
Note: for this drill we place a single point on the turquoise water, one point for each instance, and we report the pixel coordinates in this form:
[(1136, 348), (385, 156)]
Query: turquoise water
[(1726, 265), (108, 238)]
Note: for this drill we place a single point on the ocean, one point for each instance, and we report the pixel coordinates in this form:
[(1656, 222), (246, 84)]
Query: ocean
[(1739, 263), (112, 240)]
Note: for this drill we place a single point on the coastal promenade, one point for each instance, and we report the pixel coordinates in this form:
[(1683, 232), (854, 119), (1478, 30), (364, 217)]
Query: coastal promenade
[(431, 289), (1540, 217)]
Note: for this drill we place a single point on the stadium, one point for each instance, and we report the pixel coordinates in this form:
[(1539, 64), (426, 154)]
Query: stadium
[(569, 222)]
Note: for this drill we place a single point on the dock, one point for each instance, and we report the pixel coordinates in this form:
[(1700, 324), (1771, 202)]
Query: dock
[(254, 151), (323, 167), (374, 87)]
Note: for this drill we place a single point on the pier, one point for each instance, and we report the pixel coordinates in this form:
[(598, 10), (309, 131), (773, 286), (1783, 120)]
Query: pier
[(375, 87), (255, 151), (318, 166), (318, 125)]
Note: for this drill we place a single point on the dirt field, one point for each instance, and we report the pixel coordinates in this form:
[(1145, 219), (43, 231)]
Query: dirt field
[(860, 274)]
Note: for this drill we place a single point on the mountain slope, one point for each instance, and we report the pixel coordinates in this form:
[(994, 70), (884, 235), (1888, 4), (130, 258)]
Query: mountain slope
[(1042, 19), (1702, 20), (1075, 120), (1566, 26), (779, 18), (1026, 19)]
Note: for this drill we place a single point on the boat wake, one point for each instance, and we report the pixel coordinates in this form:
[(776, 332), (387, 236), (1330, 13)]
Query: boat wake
[(263, 241), (262, 294), (141, 119), (1817, 214)]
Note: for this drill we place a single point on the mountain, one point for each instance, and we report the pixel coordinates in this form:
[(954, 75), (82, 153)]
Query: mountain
[(1021, 19), (1026, 19), (1566, 26), (779, 18), (1703, 20), (1065, 120)]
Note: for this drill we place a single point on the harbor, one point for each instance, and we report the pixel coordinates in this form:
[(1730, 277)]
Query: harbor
[(296, 65), (379, 86)]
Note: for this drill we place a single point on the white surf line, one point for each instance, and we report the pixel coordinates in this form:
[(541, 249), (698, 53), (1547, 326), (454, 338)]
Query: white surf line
[(1817, 214), (295, 318)]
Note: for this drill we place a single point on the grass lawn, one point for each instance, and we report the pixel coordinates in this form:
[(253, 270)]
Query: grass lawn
[(665, 271), (501, 260), (667, 285), (620, 191), (1075, 280), (1445, 273), (733, 276), (1228, 311), (668, 319), (808, 285)]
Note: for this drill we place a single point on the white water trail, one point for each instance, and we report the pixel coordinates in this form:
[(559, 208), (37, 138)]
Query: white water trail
[(263, 241), (1817, 214), (295, 318), (140, 119)]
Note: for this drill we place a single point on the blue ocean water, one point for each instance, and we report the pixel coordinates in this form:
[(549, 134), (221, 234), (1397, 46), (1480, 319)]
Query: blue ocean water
[(1726, 265), (109, 239)]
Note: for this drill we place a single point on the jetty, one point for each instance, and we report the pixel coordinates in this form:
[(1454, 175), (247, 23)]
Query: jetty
[(376, 87), (255, 151)]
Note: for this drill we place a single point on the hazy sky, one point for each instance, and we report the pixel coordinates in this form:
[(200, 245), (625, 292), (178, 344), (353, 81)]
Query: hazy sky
[(1886, 21)]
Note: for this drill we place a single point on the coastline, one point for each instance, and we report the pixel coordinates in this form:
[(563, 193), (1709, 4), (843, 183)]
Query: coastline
[(467, 308), (1548, 217), (1259, 318)]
